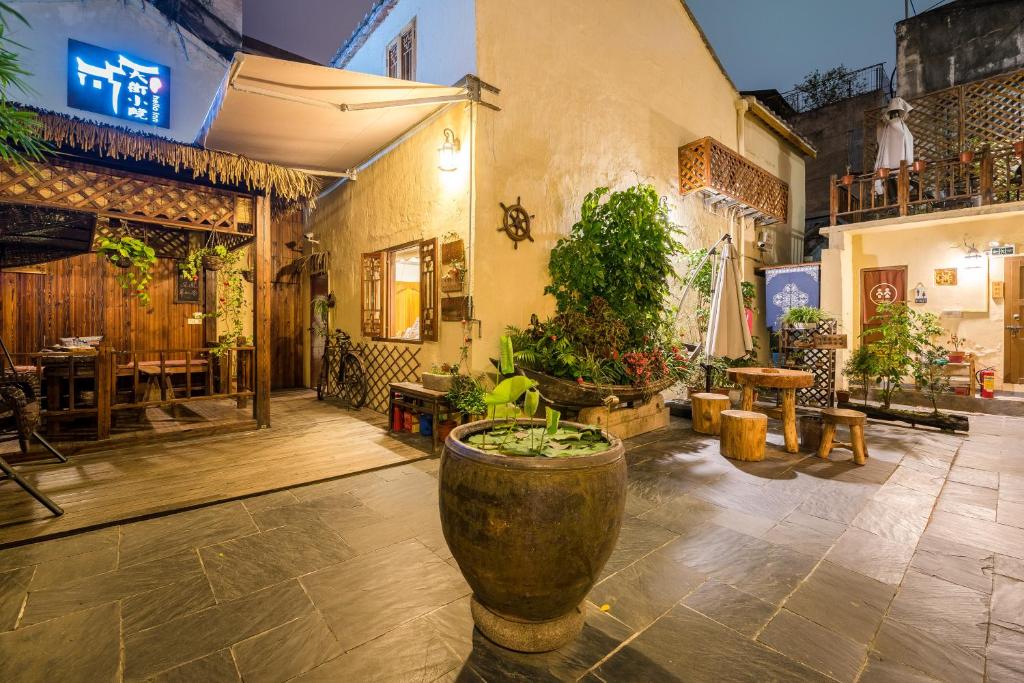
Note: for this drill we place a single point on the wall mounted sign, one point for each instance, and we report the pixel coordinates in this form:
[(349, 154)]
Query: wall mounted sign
[(881, 286), (945, 276), (786, 287), (920, 295), (1004, 250), (186, 289), (997, 289), (118, 84)]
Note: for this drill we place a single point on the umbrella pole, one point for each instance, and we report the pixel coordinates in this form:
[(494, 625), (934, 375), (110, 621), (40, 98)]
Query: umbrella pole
[(707, 376)]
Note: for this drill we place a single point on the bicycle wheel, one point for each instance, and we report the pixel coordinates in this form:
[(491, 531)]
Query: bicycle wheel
[(353, 388)]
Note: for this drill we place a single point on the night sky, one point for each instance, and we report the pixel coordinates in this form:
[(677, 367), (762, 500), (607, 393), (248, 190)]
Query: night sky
[(762, 43)]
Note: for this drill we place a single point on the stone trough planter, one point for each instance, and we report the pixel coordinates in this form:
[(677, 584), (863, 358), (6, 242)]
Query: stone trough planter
[(530, 534)]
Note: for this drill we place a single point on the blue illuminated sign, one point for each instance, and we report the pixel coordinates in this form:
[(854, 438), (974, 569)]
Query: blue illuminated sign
[(118, 84)]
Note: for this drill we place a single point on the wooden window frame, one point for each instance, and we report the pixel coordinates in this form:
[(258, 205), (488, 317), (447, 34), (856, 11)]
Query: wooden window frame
[(375, 295), (395, 49)]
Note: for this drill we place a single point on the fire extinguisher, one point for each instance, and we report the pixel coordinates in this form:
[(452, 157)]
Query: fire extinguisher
[(987, 381)]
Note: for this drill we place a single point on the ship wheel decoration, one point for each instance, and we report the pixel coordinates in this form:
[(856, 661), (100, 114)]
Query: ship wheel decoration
[(516, 223)]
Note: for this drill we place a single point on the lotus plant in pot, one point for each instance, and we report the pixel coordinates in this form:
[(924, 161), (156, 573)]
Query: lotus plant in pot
[(531, 510)]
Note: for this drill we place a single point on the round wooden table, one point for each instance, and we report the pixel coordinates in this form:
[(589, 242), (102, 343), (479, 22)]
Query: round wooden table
[(786, 381)]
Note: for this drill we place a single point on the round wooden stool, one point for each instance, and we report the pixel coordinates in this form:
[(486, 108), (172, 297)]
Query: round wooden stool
[(744, 434), (855, 420), (707, 412)]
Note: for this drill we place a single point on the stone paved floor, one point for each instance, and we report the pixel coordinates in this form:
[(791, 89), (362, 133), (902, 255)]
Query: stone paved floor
[(910, 568)]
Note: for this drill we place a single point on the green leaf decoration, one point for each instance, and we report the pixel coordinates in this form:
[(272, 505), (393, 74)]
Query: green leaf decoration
[(532, 402), (552, 416), (507, 362), (509, 390)]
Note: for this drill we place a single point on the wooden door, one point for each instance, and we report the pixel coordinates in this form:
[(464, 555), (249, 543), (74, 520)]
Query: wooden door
[(1013, 316), (878, 286), (317, 287)]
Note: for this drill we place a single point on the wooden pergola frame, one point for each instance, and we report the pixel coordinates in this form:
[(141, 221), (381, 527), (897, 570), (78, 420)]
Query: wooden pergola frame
[(113, 193)]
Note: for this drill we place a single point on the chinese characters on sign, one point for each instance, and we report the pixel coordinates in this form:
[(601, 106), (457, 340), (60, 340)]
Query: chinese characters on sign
[(119, 85)]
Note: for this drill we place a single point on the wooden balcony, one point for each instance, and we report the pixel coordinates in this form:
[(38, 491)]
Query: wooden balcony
[(927, 186), (709, 167)]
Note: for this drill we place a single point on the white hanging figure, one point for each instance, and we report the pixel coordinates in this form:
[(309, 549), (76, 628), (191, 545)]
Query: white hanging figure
[(895, 141)]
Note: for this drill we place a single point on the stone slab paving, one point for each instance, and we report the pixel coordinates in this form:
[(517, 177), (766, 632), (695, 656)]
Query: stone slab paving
[(910, 568)]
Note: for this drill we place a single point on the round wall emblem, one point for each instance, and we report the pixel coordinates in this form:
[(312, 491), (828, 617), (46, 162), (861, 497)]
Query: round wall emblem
[(883, 293)]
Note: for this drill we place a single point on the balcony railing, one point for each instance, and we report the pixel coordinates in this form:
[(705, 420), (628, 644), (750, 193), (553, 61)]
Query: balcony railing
[(927, 186), (709, 167), (850, 84)]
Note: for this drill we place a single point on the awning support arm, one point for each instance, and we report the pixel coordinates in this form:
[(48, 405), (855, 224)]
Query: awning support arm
[(386, 104)]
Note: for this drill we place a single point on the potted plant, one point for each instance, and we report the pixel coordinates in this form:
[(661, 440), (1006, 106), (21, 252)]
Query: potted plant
[(919, 165), (135, 259), (531, 510), (967, 151), (956, 355), (466, 395), (848, 178), (1018, 148), (439, 377), (883, 173), (803, 317)]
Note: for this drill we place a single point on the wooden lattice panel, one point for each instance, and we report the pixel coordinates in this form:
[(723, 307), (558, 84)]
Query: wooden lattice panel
[(384, 364), (709, 166), (944, 122), (994, 110), (90, 188)]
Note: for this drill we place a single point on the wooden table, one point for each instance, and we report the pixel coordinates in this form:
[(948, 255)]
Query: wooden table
[(787, 382), (413, 396)]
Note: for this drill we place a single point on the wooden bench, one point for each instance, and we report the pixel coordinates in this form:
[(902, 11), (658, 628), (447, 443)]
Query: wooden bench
[(744, 434), (855, 420), (707, 412)]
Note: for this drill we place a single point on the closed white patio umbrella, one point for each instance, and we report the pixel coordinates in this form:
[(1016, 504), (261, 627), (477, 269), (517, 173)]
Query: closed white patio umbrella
[(728, 335)]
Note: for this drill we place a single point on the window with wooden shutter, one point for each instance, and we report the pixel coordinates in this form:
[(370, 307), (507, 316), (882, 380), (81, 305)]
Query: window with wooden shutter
[(429, 314), (400, 55), (372, 294)]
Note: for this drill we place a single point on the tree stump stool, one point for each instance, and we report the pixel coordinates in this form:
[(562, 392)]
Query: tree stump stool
[(744, 434), (855, 420), (707, 412)]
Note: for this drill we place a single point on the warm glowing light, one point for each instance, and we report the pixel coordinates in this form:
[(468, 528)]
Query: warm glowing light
[(446, 154)]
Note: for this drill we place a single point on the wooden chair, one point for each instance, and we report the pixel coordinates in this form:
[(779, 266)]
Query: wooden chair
[(707, 412), (744, 435), (855, 420)]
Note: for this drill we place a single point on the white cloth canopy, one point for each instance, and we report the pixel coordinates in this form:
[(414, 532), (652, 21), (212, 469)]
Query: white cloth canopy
[(895, 141), (728, 335), (315, 118)]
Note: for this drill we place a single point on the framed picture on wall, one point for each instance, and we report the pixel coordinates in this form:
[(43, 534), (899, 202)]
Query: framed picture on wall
[(187, 290)]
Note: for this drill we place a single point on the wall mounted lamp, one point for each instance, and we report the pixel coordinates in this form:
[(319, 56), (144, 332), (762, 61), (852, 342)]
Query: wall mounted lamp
[(446, 153)]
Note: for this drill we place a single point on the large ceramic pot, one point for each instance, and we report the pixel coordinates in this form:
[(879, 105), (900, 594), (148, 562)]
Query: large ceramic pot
[(531, 535)]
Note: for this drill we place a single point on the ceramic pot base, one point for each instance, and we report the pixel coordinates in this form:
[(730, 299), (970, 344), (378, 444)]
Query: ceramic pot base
[(527, 636)]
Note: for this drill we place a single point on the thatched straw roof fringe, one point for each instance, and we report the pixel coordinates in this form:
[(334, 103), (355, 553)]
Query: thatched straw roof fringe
[(213, 166)]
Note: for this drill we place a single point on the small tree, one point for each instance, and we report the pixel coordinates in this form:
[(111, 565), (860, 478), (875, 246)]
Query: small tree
[(822, 88), (903, 336), (930, 364), (862, 365)]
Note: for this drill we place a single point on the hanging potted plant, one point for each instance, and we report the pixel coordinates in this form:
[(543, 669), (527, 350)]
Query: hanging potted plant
[(883, 173), (920, 165), (1018, 148), (135, 259), (231, 299)]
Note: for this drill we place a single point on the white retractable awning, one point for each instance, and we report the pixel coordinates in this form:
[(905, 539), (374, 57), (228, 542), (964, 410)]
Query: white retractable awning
[(315, 118)]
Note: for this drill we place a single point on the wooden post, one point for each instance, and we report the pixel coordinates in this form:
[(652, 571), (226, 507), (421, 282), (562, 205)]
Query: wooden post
[(987, 172), (261, 312), (789, 420), (833, 199), (104, 388), (903, 188)]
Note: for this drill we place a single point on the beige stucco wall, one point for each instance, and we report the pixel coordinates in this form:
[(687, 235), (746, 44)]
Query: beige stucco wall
[(401, 197), (604, 96), (967, 309)]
